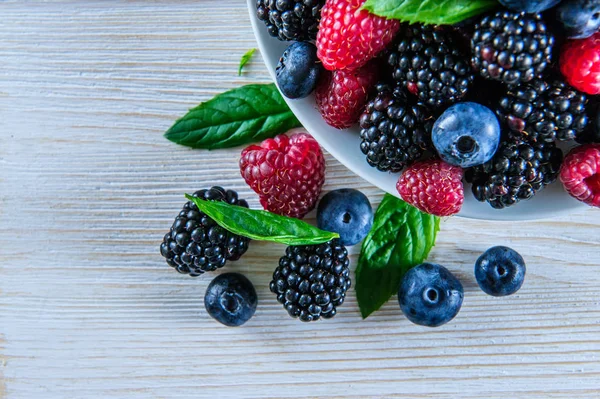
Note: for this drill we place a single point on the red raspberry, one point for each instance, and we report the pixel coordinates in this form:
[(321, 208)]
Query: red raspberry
[(349, 37), (580, 174), (287, 173), (580, 64), (342, 95), (433, 187)]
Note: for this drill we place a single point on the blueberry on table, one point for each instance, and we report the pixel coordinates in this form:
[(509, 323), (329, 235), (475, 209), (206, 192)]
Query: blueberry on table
[(298, 70), (430, 295), (500, 271), (529, 6), (347, 212), (230, 299), (466, 134), (580, 18)]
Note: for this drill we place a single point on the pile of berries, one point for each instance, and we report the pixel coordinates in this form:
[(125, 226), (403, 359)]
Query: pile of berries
[(492, 101)]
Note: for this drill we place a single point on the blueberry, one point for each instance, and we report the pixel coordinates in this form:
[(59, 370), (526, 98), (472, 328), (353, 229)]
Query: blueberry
[(430, 295), (230, 299), (529, 6), (466, 134), (347, 212), (500, 271), (298, 70), (580, 18)]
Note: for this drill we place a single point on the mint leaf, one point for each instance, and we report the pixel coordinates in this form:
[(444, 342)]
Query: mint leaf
[(240, 116), (262, 225), (401, 238), (244, 60), (438, 12)]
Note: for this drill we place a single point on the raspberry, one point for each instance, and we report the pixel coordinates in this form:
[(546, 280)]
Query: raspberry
[(287, 173), (580, 64), (433, 186), (580, 174), (341, 96), (349, 37)]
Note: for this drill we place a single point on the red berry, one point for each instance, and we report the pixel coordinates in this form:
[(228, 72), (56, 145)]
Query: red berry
[(287, 173), (580, 174), (433, 187), (349, 37), (342, 95), (580, 64)]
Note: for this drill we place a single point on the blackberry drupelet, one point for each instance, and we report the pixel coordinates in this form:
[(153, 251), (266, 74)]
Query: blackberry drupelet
[(517, 172), (430, 63), (196, 244), (395, 129), (510, 47), (291, 19), (541, 111), (312, 280)]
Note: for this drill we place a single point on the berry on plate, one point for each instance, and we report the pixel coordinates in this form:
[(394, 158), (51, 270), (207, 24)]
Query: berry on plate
[(230, 299), (580, 63), (433, 187), (349, 37), (341, 95), (347, 212), (287, 173), (196, 244), (510, 47), (580, 174), (290, 19), (312, 280), (500, 271), (430, 295), (298, 70), (529, 6), (517, 172), (466, 134), (395, 129), (431, 64), (580, 18)]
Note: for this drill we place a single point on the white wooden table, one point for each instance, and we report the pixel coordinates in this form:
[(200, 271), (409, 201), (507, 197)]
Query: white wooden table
[(88, 186)]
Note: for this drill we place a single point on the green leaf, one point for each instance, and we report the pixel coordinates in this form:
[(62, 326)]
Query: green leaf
[(244, 60), (262, 225), (240, 116), (401, 238), (438, 12)]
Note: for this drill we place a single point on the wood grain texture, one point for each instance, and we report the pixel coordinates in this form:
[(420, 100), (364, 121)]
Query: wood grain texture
[(88, 186)]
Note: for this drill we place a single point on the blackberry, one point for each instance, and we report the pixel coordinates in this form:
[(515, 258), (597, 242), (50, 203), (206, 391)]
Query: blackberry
[(511, 47), (429, 62), (291, 19), (196, 244), (592, 133), (543, 111), (517, 172), (395, 130), (312, 280)]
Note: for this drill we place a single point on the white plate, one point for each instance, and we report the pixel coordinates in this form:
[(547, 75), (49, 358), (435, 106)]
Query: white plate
[(344, 146)]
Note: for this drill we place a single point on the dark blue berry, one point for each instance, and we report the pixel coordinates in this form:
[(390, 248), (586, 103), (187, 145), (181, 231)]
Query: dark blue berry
[(230, 299), (500, 271), (466, 134), (580, 18), (298, 70), (430, 295), (347, 212), (529, 6)]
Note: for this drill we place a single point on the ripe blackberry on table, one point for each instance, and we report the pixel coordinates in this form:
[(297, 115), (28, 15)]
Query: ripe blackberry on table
[(312, 280), (430, 63), (395, 129), (196, 244), (511, 47), (291, 19), (541, 111), (517, 172)]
